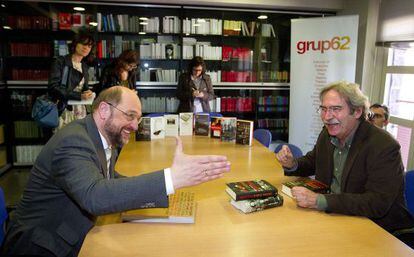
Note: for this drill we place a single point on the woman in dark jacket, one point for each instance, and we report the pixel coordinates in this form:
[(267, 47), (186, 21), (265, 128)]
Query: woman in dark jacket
[(194, 89), (68, 79), (122, 72)]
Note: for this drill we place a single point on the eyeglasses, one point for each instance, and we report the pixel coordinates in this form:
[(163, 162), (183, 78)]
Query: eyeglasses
[(372, 116), (129, 116), (331, 109)]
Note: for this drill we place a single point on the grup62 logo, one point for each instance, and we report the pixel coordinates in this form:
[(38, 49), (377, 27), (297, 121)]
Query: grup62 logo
[(336, 43)]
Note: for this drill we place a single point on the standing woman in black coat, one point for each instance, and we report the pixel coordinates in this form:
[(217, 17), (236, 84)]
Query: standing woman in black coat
[(68, 79), (121, 72), (194, 89)]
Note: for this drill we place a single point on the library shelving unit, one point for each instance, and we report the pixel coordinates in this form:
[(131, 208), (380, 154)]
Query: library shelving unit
[(247, 55)]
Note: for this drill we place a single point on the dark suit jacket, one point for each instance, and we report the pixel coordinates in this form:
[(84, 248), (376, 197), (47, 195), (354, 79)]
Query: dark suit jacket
[(185, 93), (372, 179), (67, 189)]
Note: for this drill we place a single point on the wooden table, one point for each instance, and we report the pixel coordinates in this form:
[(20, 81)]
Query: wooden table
[(221, 230)]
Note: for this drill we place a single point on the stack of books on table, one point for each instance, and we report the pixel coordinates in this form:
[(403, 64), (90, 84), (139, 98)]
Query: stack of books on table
[(253, 195)]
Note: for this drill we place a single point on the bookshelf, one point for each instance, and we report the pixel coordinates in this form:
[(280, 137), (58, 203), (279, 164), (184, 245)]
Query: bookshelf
[(246, 57)]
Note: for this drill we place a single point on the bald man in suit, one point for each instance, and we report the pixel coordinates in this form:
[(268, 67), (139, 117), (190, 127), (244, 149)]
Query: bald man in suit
[(73, 179)]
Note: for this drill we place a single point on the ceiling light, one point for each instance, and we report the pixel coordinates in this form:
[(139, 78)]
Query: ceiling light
[(7, 27), (146, 65), (143, 18), (3, 5), (143, 23), (78, 8), (262, 17), (142, 33), (92, 23)]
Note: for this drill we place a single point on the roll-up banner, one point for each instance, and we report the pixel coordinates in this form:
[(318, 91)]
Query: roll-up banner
[(323, 50)]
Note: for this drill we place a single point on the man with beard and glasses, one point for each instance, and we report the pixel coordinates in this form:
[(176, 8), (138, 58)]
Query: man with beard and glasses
[(361, 163), (73, 179)]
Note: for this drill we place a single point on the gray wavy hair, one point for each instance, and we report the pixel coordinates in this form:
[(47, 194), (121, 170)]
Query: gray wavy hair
[(352, 94)]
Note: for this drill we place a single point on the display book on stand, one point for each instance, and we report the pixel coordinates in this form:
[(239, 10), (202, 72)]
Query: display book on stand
[(253, 195), (229, 129)]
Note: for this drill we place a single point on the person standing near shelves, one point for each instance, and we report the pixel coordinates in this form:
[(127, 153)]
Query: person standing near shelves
[(68, 79), (194, 89), (121, 72)]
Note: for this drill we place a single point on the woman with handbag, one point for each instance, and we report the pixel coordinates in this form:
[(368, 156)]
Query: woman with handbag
[(121, 72), (68, 79)]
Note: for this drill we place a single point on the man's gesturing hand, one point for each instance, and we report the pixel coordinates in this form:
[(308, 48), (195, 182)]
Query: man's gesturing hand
[(189, 170)]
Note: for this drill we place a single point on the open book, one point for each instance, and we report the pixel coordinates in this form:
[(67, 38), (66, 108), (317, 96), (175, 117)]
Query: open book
[(181, 209), (83, 102)]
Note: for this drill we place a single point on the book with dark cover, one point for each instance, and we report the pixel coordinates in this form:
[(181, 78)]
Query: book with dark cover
[(144, 130), (215, 127), (202, 124), (253, 205), (181, 209), (228, 129), (311, 184), (244, 132), (251, 189)]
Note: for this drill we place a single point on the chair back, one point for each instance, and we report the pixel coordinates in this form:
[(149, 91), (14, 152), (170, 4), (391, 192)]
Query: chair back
[(409, 190), (216, 114), (3, 215), (263, 136), (155, 114), (293, 148)]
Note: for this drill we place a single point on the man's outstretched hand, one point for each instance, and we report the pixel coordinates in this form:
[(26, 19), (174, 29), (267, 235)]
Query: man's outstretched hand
[(189, 170)]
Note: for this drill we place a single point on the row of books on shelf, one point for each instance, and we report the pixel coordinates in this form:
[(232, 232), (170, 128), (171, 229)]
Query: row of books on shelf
[(272, 109), (30, 49), (229, 129), (204, 26), (237, 104), (27, 153), (269, 76), (160, 51), (21, 102), (127, 23), (273, 123), (159, 104), (159, 75), (237, 28), (206, 51), (265, 101), (239, 53), (108, 48), (29, 74), (28, 22), (27, 129)]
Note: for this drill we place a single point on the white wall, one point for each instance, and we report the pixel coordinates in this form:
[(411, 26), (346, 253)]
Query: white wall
[(368, 12)]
